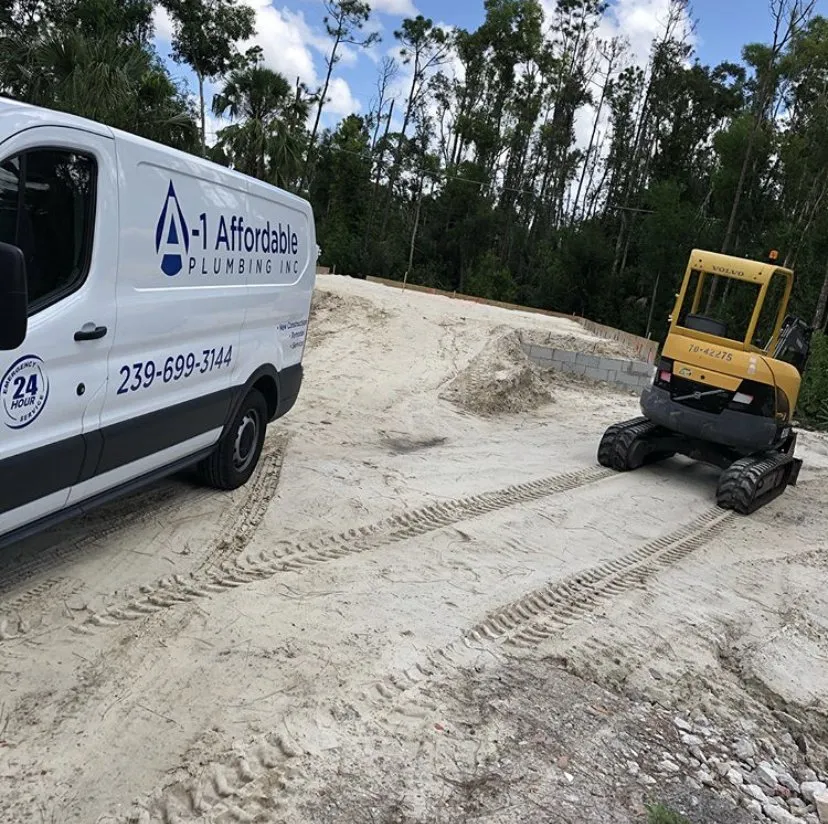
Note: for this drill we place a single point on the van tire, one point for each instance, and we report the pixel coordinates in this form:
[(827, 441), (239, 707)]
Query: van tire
[(237, 453)]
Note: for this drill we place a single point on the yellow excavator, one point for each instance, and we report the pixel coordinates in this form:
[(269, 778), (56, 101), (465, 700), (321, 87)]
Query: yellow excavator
[(726, 382)]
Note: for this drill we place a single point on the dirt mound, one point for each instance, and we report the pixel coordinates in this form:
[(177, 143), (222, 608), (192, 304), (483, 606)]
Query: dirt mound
[(331, 313), (500, 380)]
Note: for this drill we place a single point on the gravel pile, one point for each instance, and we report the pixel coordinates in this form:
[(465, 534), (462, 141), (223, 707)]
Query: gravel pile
[(751, 773)]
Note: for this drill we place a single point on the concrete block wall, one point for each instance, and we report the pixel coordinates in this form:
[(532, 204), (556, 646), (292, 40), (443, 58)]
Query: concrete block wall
[(624, 373), (644, 348)]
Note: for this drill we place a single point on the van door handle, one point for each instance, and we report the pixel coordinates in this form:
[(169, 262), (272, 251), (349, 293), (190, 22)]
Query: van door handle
[(93, 333)]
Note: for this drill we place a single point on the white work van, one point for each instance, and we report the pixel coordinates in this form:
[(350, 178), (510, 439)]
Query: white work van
[(153, 315)]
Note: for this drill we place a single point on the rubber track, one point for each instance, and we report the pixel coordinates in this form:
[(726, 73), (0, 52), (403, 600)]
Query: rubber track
[(606, 447), (738, 483), (236, 571), (626, 438)]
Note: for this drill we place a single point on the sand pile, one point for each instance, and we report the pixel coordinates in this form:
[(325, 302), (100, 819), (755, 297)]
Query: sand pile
[(500, 379), (331, 312)]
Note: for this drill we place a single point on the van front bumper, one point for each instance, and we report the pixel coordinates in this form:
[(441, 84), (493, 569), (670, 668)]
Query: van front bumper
[(738, 430)]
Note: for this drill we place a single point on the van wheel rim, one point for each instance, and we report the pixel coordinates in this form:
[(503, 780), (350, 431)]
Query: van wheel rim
[(247, 435)]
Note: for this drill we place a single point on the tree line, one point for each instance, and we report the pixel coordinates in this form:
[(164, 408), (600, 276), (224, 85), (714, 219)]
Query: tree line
[(528, 160)]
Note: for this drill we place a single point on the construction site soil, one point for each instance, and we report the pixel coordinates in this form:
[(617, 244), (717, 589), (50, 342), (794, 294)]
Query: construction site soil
[(430, 604)]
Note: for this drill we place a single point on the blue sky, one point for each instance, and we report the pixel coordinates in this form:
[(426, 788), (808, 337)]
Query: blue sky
[(724, 25), (292, 36)]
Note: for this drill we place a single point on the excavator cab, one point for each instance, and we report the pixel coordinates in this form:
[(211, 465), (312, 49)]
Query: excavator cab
[(742, 305), (726, 383)]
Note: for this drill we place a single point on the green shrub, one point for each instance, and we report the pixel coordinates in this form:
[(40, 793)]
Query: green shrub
[(491, 280), (812, 407), (659, 814)]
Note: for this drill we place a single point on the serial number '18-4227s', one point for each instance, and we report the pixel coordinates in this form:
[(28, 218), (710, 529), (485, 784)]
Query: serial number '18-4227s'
[(143, 375)]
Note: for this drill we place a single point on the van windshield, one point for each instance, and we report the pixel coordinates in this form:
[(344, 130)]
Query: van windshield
[(730, 312)]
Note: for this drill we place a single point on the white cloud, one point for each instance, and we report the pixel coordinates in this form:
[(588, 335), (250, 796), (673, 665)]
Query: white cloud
[(640, 22), (341, 102), (163, 23), (318, 40), (282, 36), (291, 46), (404, 8), (288, 43), (212, 125)]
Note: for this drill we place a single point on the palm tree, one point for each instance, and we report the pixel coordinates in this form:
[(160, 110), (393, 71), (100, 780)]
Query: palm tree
[(267, 138), (99, 76)]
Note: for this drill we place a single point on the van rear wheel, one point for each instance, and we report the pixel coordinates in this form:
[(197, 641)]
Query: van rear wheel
[(235, 457)]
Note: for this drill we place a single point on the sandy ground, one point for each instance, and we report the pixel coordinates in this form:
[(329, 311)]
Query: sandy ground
[(429, 605)]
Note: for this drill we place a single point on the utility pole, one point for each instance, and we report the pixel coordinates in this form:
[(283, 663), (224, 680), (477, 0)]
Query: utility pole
[(414, 232), (652, 305)]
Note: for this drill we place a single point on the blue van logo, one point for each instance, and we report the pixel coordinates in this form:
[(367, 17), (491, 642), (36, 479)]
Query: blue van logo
[(172, 235), (24, 390)]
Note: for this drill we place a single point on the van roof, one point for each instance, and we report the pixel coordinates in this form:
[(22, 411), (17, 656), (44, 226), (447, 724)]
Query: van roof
[(16, 116)]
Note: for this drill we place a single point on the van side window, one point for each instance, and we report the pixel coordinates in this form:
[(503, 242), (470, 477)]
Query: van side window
[(47, 200)]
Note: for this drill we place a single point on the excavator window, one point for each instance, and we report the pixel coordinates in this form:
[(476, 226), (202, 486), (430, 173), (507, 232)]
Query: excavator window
[(727, 314), (769, 315)]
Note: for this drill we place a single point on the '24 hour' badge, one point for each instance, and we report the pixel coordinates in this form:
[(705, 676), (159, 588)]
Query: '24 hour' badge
[(24, 390)]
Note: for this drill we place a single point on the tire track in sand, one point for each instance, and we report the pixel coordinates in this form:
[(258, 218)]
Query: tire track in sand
[(250, 781), (23, 577), (226, 568), (238, 524), (247, 782), (112, 519), (236, 527), (545, 612)]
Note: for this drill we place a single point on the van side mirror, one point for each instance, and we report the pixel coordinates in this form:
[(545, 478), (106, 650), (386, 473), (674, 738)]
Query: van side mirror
[(14, 297)]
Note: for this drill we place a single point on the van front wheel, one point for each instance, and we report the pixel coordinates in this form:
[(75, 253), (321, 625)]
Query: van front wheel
[(235, 457)]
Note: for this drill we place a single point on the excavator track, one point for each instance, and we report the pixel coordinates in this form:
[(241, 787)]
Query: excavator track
[(745, 485), (754, 481), (607, 445), (624, 445)]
